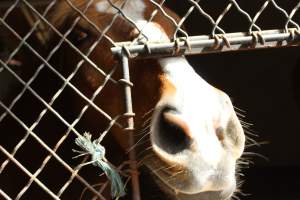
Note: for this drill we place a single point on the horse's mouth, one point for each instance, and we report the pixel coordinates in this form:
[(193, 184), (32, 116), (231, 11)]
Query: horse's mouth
[(178, 183)]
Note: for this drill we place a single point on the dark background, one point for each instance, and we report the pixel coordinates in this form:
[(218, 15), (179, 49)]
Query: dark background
[(265, 83)]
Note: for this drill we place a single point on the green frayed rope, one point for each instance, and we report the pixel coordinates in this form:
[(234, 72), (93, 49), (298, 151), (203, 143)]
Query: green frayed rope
[(97, 151)]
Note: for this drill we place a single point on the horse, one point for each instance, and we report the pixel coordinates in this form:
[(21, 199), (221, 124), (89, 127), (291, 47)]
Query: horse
[(190, 137)]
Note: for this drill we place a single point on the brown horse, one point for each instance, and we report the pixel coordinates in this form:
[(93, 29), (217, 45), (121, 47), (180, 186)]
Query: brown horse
[(193, 135)]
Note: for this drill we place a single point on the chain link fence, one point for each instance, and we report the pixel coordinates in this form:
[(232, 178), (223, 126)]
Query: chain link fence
[(37, 126)]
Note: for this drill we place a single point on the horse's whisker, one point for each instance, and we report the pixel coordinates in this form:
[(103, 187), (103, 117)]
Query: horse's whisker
[(136, 144), (141, 162), (149, 112), (164, 168), (255, 154), (147, 149), (142, 132)]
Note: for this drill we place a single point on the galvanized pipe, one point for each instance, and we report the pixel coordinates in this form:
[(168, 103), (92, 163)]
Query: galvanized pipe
[(205, 44), (130, 127)]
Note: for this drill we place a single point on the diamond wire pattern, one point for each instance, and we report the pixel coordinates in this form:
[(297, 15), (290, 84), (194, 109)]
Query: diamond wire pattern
[(291, 26)]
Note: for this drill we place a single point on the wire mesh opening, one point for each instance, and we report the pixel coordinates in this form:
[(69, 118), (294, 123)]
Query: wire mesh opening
[(45, 105)]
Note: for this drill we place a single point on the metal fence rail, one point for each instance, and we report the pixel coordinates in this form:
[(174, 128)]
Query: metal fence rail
[(207, 44), (28, 132)]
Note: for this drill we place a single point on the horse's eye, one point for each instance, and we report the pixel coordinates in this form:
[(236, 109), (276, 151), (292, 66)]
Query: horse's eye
[(79, 36)]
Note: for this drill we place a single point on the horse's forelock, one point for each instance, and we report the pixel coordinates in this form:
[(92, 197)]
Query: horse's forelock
[(62, 13)]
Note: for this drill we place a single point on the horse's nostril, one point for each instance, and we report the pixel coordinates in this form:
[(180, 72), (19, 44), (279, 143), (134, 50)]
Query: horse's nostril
[(220, 134), (172, 134)]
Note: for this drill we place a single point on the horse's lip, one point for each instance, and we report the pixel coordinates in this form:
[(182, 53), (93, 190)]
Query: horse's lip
[(184, 195), (208, 195), (215, 195), (205, 195)]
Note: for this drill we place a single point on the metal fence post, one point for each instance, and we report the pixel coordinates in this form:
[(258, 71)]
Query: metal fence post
[(130, 125)]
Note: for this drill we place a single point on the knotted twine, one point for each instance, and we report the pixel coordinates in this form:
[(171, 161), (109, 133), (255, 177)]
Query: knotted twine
[(97, 152)]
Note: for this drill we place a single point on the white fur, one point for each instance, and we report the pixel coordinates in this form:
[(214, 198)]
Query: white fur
[(199, 105), (134, 9), (103, 7), (152, 31), (195, 102)]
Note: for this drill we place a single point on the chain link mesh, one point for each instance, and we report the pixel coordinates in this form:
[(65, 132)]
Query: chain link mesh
[(30, 157)]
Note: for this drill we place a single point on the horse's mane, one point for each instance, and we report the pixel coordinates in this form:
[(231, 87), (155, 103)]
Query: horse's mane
[(66, 11)]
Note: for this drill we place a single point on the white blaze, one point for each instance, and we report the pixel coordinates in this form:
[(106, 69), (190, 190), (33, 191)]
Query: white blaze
[(198, 105), (196, 100), (152, 31), (134, 9)]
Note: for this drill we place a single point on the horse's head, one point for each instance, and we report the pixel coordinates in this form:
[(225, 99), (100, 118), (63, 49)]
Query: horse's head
[(194, 133)]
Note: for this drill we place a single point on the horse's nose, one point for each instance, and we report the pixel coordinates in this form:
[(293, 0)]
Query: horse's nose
[(172, 133)]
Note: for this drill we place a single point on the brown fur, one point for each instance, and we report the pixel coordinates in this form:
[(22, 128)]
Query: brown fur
[(146, 75)]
